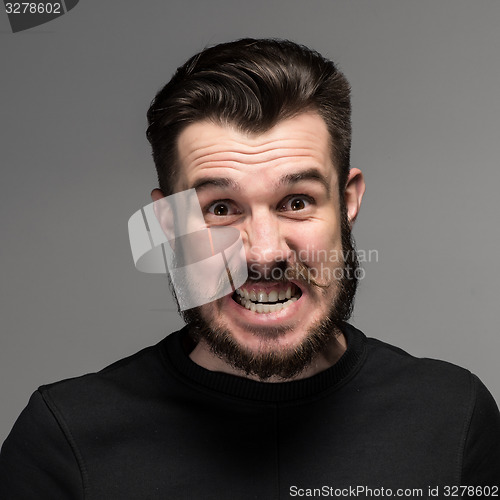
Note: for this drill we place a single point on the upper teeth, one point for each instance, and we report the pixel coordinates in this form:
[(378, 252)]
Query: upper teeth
[(262, 296)]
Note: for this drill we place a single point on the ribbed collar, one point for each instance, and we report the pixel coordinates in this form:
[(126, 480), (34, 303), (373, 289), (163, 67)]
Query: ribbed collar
[(231, 385)]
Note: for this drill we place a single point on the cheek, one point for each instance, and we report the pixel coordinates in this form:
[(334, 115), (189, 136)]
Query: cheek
[(319, 246)]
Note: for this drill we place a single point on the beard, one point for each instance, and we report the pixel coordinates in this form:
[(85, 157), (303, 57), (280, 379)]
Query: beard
[(286, 364)]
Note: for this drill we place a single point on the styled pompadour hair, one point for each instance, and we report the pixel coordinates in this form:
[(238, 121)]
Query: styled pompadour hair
[(251, 84)]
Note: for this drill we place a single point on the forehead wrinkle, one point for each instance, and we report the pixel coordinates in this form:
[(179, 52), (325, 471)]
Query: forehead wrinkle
[(242, 163), (247, 144), (214, 179), (254, 157), (198, 151), (297, 142)]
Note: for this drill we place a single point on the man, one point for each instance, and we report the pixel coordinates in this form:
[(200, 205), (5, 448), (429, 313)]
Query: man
[(267, 392)]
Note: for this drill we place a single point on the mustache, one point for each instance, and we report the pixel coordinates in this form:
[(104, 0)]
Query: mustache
[(285, 272)]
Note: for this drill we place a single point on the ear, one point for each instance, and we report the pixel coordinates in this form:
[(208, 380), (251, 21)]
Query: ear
[(157, 194), (353, 194), (163, 212)]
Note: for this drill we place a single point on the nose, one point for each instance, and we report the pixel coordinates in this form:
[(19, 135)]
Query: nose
[(266, 243)]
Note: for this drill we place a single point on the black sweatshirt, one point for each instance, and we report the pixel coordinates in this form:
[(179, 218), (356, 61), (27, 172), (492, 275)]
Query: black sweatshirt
[(157, 426)]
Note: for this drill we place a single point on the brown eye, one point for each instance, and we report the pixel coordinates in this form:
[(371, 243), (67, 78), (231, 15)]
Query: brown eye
[(297, 204), (220, 209)]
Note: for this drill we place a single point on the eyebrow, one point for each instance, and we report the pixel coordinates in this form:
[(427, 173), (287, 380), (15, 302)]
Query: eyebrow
[(311, 174), (218, 182)]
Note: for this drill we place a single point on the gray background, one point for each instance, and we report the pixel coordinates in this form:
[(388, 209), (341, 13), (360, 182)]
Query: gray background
[(75, 165)]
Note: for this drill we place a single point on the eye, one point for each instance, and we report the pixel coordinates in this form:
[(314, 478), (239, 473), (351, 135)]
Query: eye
[(296, 203), (222, 208)]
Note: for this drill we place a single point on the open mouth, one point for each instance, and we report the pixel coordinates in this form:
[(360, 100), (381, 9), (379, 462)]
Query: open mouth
[(260, 301)]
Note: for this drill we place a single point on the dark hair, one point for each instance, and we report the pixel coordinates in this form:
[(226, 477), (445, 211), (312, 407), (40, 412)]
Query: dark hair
[(253, 85)]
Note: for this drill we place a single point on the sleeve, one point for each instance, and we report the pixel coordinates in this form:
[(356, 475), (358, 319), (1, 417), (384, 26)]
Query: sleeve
[(36, 459), (481, 461)]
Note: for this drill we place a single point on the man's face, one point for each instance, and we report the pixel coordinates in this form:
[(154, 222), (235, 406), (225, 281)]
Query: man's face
[(280, 189)]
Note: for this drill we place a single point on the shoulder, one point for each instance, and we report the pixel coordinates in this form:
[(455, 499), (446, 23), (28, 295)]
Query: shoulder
[(118, 395), (133, 376), (425, 374), (427, 386), (37, 457), (66, 417), (428, 380), (445, 399)]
